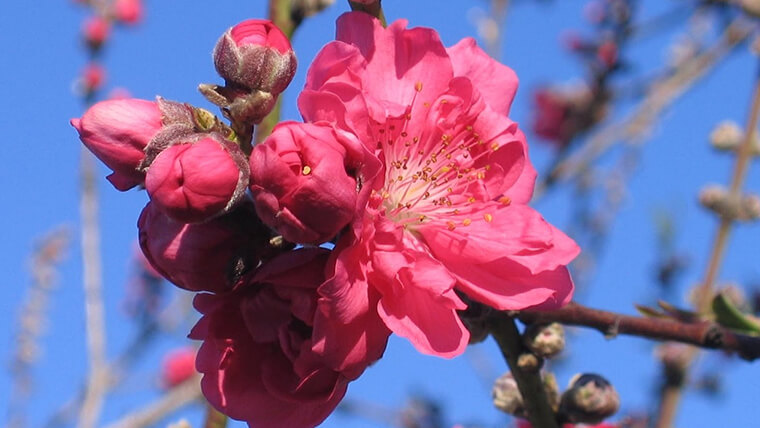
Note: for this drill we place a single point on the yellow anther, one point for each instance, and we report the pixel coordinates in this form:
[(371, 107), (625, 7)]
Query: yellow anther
[(466, 222), (505, 200), (471, 199), (418, 86), (488, 217), (495, 146), (446, 169), (306, 170), (451, 225)]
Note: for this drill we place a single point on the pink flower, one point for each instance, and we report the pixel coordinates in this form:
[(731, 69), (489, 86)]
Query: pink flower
[(96, 30), (303, 180), (256, 356), (210, 256), (552, 117), (178, 366), (256, 55), (128, 11), (449, 213), (116, 132), (194, 181)]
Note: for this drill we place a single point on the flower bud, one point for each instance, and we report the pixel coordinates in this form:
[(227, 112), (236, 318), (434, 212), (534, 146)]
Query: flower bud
[(507, 398), (722, 202), (209, 256), (93, 77), (506, 395), (128, 11), (545, 340), (255, 55), (95, 31), (194, 181), (178, 366), (116, 132), (590, 399), (301, 183)]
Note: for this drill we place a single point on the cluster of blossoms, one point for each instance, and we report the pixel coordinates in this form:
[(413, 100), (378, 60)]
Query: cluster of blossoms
[(406, 163)]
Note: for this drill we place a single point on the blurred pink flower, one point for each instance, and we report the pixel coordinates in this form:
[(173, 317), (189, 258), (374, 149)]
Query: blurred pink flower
[(256, 355), (93, 78), (128, 11), (194, 181), (301, 180), (116, 132), (178, 366), (552, 115), (96, 31), (449, 212)]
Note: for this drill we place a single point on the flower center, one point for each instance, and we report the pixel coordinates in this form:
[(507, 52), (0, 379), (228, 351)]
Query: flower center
[(435, 161)]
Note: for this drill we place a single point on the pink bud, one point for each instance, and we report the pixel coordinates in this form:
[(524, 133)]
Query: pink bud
[(608, 53), (96, 30), (193, 181), (256, 55), (128, 11), (302, 182), (209, 256), (93, 77), (116, 132), (178, 366)]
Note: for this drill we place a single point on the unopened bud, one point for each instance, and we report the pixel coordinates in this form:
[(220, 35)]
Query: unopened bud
[(728, 136), (590, 399), (720, 201), (545, 340), (197, 178), (675, 358), (507, 397), (529, 362), (255, 55), (95, 32), (93, 77)]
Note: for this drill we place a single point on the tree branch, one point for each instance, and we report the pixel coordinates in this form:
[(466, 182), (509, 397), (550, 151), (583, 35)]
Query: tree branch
[(182, 395), (540, 412), (705, 334)]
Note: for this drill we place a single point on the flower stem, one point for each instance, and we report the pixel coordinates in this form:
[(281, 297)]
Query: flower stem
[(280, 12), (540, 412), (374, 9)]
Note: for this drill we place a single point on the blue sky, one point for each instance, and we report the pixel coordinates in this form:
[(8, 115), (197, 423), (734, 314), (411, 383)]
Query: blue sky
[(169, 54)]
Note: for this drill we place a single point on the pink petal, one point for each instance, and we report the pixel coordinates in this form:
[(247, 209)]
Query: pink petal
[(423, 316), (506, 285), (495, 81), (402, 65)]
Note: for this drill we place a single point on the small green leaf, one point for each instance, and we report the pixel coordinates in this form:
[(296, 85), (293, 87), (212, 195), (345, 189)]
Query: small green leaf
[(649, 312), (729, 316)]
